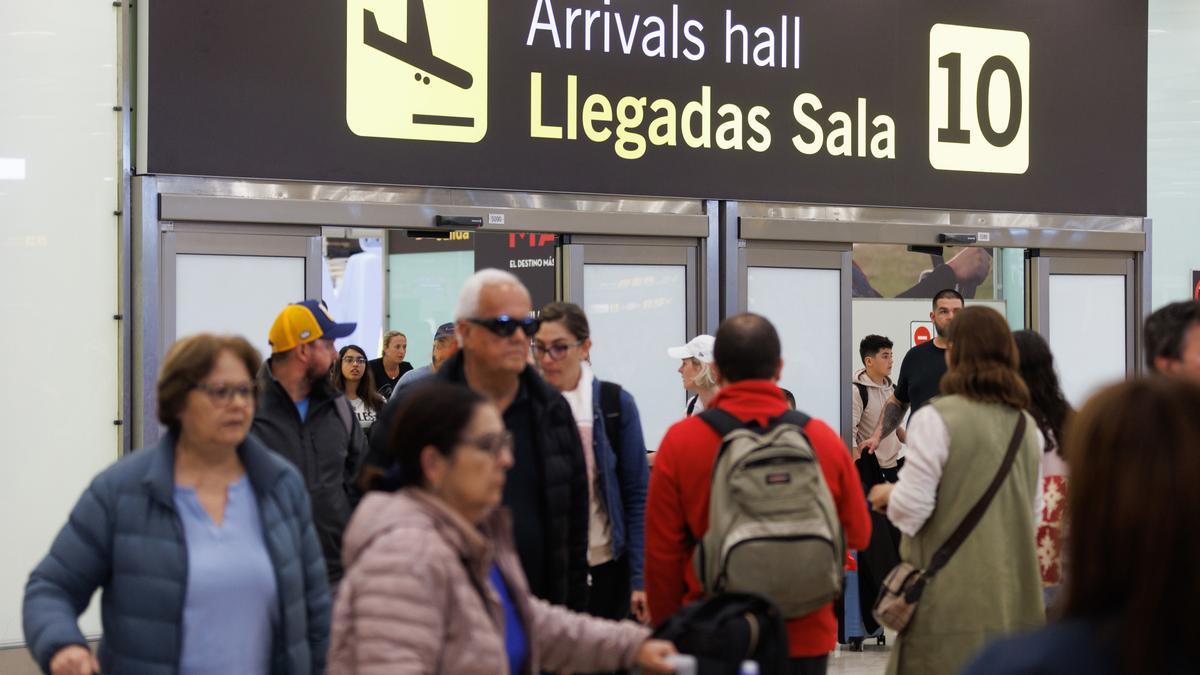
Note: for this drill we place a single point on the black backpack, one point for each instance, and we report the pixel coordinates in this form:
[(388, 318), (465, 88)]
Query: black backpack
[(727, 629)]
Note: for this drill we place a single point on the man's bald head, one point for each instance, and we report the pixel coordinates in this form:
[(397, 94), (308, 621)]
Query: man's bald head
[(747, 348)]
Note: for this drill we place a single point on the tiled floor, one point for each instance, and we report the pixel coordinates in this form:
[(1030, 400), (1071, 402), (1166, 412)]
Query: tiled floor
[(871, 661), (16, 661)]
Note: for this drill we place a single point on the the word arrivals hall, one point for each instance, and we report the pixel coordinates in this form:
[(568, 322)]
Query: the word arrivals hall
[(474, 337)]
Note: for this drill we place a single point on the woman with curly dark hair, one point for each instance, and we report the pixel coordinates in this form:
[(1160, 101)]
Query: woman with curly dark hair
[(352, 377), (1051, 412)]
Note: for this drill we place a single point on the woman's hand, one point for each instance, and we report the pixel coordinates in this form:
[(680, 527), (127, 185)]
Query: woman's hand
[(879, 497), (653, 654), (74, 660), (637, 604)]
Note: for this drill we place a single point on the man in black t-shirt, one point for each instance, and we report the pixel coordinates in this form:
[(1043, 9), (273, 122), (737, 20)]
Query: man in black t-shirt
[(921, 372)]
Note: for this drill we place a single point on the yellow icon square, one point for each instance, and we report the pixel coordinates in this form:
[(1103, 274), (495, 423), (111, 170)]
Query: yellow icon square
[(417, 69)]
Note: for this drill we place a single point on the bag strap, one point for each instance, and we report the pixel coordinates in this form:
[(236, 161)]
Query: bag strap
[(610, 407), (725, 423), (862, 393), (943, 554), (791, 417), (722, 422)]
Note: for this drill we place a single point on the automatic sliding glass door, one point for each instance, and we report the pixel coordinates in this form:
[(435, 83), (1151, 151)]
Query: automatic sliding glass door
[(806, 295), (640, 301), (1084, 306)]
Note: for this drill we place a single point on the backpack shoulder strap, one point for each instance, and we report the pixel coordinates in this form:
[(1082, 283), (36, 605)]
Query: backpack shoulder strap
[(345, 414), (722, 422), (610, 407), (792, 417), (862, 393)]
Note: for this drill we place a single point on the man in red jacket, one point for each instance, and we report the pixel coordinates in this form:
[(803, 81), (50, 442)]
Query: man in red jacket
[(748, 364)]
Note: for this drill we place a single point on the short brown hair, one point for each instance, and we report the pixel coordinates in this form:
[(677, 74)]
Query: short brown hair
[(984, 363), (188, 362), (1133, 508), (572, 316)]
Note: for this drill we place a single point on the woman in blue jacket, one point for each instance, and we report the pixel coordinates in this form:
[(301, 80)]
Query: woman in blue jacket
[(203, 544), (615, 453)]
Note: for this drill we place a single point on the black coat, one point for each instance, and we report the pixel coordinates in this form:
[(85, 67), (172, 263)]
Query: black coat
[(564, 502), (327, 448)]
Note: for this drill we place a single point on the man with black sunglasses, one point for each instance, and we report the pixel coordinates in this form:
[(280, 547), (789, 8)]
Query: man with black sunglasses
[(547, 486)]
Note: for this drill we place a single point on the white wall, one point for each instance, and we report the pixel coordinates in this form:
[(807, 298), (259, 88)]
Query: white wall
[(1173, 169), (58, 272)]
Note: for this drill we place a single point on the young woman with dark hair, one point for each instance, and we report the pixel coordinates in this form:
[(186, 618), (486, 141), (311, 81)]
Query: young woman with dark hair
[(1133, 510), (615, 456), (956, 446), (352, 377), (433, 583), (1051, 411)]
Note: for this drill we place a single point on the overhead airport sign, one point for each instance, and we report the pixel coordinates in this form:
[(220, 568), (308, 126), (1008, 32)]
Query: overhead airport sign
[(1036, 107)]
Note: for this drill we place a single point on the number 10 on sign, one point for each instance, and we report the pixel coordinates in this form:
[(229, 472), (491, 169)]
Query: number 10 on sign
[(978, 99)]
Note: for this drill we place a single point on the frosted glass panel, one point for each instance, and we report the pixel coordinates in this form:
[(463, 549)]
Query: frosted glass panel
[(1087, 331), (59, 184), (422, 291), (805, 306), (235, 294), (636, 313)]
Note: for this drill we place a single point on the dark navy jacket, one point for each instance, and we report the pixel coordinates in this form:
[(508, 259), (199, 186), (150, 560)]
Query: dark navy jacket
[(125, 537), (623, 481)]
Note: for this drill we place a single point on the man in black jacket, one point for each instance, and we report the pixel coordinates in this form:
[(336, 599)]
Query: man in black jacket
[(301, 416), (547, 486)]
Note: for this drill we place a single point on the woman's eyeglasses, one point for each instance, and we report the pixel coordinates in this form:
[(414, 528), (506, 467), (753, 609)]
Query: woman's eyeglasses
[(556, 351), (505, 325), (354, 360), (492, 444), (224, 394)]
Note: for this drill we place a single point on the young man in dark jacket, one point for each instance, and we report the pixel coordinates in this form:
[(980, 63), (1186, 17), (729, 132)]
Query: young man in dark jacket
[(302, 417), (547, 486)]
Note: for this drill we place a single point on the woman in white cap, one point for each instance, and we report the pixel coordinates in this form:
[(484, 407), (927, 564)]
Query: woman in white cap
[(696, 369)]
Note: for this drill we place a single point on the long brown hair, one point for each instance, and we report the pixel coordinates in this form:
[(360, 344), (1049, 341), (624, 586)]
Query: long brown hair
[(1133, 503), (983, 360)]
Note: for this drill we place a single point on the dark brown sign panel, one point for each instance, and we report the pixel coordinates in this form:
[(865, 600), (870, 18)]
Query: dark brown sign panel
[(971, 104), (528, 255)]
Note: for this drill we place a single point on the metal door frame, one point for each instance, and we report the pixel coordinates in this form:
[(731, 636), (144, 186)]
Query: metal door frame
[(166, 204), (789, 255), (752, 225), (1040, 264)]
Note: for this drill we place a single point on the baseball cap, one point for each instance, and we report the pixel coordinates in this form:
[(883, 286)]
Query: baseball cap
[(443, 331), (700, 348), (305, 322)]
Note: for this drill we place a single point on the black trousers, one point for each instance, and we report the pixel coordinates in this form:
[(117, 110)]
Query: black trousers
[(609, 591), (809, 665)]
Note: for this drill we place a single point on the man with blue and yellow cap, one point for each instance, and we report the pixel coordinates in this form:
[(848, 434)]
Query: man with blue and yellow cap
[(303, 417)]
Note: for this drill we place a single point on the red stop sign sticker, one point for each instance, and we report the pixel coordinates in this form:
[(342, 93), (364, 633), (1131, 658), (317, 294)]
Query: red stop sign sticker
[(921, 335)]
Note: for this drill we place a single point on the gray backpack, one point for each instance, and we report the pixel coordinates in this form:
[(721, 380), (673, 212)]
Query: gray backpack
[(773, 529)]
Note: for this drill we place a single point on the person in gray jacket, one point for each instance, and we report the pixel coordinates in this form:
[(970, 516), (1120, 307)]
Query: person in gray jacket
[(203, 545), (304, 418)]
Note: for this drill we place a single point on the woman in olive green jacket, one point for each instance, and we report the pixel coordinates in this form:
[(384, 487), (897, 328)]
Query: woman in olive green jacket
[(991, 586)]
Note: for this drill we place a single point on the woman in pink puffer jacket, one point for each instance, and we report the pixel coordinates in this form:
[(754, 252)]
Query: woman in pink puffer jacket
[(433, 583)]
